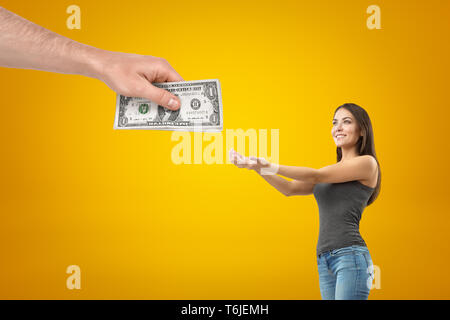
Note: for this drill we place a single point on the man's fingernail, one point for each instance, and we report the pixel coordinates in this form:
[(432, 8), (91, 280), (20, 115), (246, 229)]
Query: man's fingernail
[(173, 103)]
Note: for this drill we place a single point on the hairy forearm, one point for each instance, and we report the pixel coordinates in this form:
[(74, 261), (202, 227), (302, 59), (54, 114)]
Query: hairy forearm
[(299, 173), (26, 45), (279, 183)]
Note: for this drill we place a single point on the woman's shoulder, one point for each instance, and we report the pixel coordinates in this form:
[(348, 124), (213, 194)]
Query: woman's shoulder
[(367, 157), (373, 164)]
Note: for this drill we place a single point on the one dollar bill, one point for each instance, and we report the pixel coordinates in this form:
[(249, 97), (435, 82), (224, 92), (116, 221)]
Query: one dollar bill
[(200, 110)]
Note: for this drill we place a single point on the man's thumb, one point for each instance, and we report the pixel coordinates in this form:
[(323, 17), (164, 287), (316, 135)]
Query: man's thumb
[(163, 98)]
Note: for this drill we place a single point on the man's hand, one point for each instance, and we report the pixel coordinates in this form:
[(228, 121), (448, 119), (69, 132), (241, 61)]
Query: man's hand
[(26, 45), (132, 75)]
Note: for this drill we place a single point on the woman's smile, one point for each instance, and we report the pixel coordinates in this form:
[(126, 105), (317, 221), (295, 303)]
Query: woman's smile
[(345, 128)]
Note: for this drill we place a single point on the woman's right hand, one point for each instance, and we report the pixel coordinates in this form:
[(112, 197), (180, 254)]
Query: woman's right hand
[(250, 163), (237, 159)]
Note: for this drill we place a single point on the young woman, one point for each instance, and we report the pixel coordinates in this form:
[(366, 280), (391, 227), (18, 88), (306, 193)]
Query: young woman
[(342, 191)]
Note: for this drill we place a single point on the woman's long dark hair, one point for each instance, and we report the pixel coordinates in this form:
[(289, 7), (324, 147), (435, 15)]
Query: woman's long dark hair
[(365, 144)]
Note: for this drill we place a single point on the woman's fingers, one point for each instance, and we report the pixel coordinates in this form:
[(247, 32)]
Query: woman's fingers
[(263, 161), (253, 159), (241, 161)]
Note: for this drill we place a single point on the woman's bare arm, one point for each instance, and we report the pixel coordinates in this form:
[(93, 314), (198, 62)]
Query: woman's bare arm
[(282, 185), (358, 168), (288, 188)]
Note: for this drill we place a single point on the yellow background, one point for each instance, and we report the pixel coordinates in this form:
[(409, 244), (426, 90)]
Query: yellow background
[(75, 191)]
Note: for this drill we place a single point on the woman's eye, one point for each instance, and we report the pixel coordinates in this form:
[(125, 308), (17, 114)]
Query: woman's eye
[(345, 121)]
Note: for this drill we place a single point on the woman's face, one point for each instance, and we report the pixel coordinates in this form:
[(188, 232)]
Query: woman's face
[(345, 129)]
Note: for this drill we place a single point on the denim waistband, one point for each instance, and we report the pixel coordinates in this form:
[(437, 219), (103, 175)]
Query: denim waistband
[(353, 247)]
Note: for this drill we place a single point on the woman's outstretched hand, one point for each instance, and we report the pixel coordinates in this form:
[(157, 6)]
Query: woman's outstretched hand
[(251, 163)]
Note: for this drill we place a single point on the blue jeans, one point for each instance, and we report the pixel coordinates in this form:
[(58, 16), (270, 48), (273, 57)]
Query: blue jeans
[(345, 273)]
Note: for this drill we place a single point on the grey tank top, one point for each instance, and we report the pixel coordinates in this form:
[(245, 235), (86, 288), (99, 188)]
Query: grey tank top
[(340, 209)]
